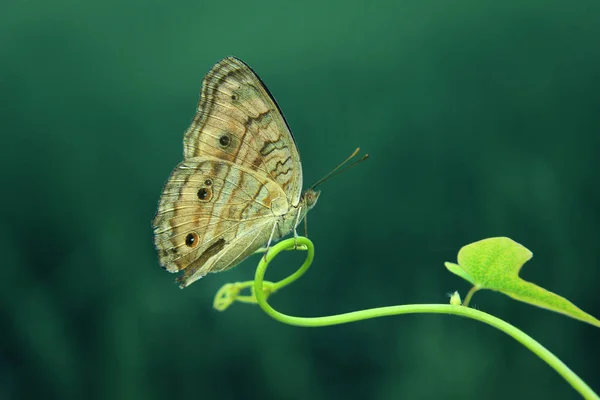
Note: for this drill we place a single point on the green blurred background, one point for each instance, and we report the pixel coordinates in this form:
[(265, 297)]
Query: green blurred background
[(482, 119)]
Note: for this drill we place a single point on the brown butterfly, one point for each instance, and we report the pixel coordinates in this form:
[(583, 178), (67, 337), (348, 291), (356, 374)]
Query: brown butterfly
[(239, 186)]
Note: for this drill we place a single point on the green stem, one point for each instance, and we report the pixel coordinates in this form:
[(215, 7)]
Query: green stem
[(469, 295), (526, 340)]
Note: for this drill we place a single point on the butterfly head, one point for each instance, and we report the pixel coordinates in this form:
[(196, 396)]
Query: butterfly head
[(310, 197)]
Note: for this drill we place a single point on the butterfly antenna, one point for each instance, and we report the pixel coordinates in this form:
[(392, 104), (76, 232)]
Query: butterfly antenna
[(338, 170)]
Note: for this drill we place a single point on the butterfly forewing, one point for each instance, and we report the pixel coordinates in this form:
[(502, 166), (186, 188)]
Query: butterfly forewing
[(239, 121)]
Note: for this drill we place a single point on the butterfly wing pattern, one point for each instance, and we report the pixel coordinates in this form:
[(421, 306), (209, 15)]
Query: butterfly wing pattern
[(238, 120), (239, 184)]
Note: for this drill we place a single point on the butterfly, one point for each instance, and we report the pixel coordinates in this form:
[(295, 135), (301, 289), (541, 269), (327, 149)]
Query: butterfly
[(239, 186)]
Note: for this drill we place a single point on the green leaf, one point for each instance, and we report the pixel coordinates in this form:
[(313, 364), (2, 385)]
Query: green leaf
[(495, 263)]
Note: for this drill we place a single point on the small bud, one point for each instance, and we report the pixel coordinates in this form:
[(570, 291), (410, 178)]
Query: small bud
[(455, 299)]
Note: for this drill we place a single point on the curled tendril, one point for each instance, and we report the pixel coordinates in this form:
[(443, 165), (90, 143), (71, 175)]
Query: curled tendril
[(231, 292)]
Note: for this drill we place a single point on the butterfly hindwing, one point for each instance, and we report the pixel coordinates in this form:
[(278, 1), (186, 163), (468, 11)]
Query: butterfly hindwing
[(207, 205)]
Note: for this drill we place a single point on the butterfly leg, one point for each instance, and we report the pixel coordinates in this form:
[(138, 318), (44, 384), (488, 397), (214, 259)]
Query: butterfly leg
[(270, 239), (306, 225), (295, 225)]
